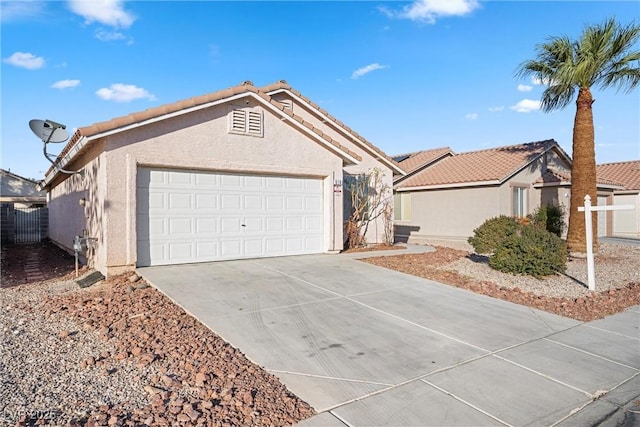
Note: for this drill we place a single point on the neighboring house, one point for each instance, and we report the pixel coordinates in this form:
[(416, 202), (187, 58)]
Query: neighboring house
[(452, 196), (244, 172), (23, 216), (624, 223), (20, 191)]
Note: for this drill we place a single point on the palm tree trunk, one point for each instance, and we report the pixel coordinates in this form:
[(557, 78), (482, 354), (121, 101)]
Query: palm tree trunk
[(583, 173)]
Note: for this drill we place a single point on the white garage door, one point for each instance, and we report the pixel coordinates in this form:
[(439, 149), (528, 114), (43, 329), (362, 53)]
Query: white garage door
[(195, 216)]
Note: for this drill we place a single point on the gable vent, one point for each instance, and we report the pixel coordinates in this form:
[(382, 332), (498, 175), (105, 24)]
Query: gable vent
[(287, 103), (246, 121), (255, 123)]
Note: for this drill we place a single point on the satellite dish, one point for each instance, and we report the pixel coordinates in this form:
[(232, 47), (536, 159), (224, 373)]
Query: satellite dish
[(48, 130)]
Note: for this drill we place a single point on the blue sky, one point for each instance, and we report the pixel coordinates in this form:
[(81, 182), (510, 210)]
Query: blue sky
[(405, 75)]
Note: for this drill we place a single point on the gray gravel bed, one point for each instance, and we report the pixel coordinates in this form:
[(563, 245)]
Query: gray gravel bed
[(615, 267), (42, 374)]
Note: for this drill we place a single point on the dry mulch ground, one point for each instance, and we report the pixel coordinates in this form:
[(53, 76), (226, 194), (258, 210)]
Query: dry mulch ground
[(180, 372), (432, 266)]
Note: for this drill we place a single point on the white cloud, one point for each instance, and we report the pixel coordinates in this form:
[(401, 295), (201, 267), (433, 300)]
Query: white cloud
[(526, 106), (25, 60), (524, 88), (106, 12), (429, 10), (108, 36), (496, 109), (124, 93), (366, 70), (64, 84), (471, 116), (14, 10)]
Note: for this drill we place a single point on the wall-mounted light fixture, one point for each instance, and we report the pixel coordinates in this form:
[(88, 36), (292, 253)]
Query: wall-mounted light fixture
[(82, 202)]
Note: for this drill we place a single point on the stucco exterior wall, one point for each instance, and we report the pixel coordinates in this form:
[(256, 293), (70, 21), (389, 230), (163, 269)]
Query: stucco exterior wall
[(67, 218), (453, 213), (201, 141), (375, 232), (626, 223), (449, 214)]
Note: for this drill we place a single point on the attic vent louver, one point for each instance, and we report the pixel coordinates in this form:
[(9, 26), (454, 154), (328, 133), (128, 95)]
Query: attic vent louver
[(246, 121)]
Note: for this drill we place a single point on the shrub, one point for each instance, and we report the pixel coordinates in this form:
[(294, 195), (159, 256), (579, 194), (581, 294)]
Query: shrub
[(492, 233), (550, 217), (532, 251)]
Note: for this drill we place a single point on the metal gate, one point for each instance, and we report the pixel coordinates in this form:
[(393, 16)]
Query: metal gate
[(28, 227)]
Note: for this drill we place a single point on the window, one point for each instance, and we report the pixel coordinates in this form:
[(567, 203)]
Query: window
[(246, 121), (402, 206), (519, 201)]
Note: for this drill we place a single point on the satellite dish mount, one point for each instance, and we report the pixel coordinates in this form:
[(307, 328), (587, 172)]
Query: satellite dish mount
[(50, 132)]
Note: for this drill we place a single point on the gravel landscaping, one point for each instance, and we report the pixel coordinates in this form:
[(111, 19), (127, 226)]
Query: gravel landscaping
[(121, 353), (454, 263)]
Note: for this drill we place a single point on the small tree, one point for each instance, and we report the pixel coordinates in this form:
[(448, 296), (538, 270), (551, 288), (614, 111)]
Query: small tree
[(370, 196)]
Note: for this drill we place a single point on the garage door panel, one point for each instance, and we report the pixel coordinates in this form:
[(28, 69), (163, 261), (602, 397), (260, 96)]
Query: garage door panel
[(254, 202), (275, 225), (207, 250), (230, 202), (206, 202), (274, 203), (230, 225), (231, 249), (188, 216), (206, 226), (179, 226), (253, 247), (180, 251), (295, 203)]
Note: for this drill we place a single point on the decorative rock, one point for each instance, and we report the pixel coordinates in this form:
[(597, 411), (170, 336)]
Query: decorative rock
[(134, 278)]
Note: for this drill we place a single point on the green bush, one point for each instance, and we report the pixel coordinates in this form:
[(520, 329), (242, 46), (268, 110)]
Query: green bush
[(532, 251), (550, 217), (492, 233)]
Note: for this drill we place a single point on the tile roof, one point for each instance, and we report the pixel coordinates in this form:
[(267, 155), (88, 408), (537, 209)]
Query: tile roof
[(491, 165), (625, 173), (412, 161), (554, 176), (246, 87), (283, 85)]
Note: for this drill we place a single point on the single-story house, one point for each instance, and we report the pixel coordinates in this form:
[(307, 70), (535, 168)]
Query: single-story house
[(625, 223), (23, 216), (20, 191), (244, 172), (456, 193)]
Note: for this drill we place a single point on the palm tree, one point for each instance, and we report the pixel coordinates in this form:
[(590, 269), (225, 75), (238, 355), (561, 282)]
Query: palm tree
[(603, 56)]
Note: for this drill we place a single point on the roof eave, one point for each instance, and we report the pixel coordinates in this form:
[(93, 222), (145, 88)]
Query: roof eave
[(83, 140), (394, 166), (448, 186)]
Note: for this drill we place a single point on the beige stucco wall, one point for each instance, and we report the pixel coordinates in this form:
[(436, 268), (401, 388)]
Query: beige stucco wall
[(626, 223), (454, 213), (375, 232), (67, 218), (200, 141)]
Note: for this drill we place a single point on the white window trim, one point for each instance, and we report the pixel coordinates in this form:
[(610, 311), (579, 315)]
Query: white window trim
[(524, 194)]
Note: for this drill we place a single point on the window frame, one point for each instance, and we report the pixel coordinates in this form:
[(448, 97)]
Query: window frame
[(519, 200)]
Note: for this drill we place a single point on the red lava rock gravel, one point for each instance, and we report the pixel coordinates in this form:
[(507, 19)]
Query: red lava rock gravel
[(587, 307), (152, 362)]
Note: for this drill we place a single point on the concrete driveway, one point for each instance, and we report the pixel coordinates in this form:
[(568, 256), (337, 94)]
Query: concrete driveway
[(368, 346)]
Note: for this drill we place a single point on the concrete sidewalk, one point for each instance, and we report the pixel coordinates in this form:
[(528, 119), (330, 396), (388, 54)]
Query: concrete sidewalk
[(369, 346)]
